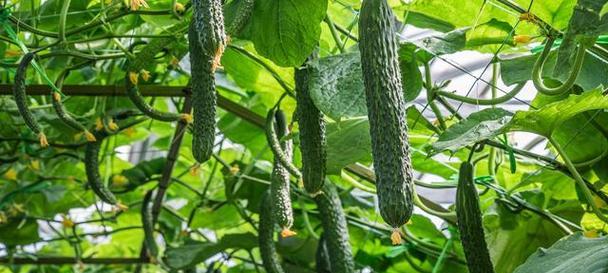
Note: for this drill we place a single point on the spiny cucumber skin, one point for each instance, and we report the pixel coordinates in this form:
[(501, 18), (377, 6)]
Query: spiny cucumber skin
[(335, 230), (60, 109), (138, 100), (470, 223), (275, 146), (20, 95), (312, 134), (322, 256), (91, 163), (143, 60), (266, 231), (147, 219), (386, 111), (207, 41), (242, 16), (279, 186)]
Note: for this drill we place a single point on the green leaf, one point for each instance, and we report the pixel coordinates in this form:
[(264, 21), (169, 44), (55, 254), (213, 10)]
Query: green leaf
[(545, 120), (424, 21), (411, 77), (478, 126), (493, 32), (286, 32), (195, 252), (447, 43), (19, 231), (143, 171), (574, 253), (348, 142), (336, 86), (519, 69)]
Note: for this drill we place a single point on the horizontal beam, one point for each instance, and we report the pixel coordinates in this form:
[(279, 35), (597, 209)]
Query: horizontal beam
[(71, 260), (146, 91)]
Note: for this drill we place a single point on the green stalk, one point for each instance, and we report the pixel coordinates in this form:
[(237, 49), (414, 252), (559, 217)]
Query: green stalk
[(493, 101), (430, 95), (540, 62), (334, 33), (62, 18), (579, 180)]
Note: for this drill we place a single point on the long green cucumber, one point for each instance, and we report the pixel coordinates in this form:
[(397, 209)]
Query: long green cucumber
[(207, 42), (91, 163), (21, 99), (137, 68), (312, 134), (270, 258), (335, 230), (279, 186), (323, 265), (147, 219), (275, 145), (64, 115), (386, 113), (470, 223), (242, 15)]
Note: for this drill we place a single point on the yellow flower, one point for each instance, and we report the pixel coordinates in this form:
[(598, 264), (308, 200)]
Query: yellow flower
[(234, 170), (145, 74), (591, 233), (174, 62), (287, 233), (67, 222), (98, 124), (133, 77), (186, 117), (120, 207), (396, 237), (35, 165), (135, 4), (15, 209), (43, 142), (119, 180), (195, 170), (56, 96), (89, 136), (179, 7), (130, 132), (522, 39), (112, 125), (11, 174)]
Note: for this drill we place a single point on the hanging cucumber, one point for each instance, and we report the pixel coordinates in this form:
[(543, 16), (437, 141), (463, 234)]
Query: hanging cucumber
[(312, 134), (275, 145), (242, 15), (91, 163), (270, 258), (207, 42), (137, 69), (21, 99), (322, 256), (279, 186), (386, 112), (147, 219), (470, 223), (63, 114), (335, 230)]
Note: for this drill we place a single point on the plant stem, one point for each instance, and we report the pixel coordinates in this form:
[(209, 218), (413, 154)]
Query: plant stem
[(579, 180)]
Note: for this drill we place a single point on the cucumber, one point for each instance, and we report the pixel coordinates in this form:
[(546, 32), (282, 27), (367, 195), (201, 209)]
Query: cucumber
[(144, 60), (20, 97), (322, 256), (64, 115), (386, 113), (207, 42), (312, 134), (242, 16), (335, 230), (470, 223), (275, 145), (270, 258), (147, 219), (91, 163), (279, 186)]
